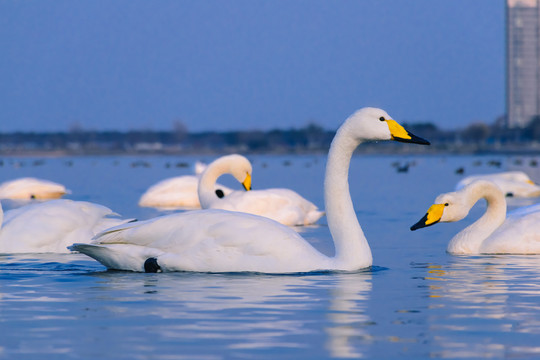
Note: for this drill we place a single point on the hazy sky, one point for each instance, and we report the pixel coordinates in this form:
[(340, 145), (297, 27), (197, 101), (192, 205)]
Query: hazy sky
[(247, 64)]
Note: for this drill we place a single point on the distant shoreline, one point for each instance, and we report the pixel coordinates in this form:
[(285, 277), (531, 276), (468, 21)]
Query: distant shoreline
[(368, 149)]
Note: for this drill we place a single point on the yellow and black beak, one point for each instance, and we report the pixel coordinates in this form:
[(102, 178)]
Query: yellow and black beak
[(247, 182), (399, 133), (433, 216)]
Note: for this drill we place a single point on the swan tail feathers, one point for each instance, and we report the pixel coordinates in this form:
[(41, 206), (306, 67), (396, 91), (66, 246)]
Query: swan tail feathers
[(124, 257), (313, 216), (96, 252)]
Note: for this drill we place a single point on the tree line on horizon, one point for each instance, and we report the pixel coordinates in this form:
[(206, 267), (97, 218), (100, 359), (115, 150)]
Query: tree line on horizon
[(312, 137)]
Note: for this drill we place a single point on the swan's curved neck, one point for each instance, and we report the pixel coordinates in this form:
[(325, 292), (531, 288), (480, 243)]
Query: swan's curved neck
[(207, 183), (1, 216), (351, 246), (470, 239)]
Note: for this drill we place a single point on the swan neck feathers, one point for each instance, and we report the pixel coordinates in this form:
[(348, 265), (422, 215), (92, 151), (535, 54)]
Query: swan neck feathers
[(470, 239), (351, 247)]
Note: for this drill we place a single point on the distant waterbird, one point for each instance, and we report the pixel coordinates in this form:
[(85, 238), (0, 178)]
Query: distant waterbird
[(29, 188)]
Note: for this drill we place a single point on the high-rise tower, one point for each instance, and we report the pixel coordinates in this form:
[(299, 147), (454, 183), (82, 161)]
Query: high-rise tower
[(523, 61)]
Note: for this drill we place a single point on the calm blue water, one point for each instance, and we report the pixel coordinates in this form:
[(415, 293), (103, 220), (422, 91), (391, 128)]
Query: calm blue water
[(417, 302)]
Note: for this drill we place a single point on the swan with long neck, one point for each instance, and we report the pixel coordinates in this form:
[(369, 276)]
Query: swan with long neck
[(282, 205), (51, 226), (493, 232), (225, 241)]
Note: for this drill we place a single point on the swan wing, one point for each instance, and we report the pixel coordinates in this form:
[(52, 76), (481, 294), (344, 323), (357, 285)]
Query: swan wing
[(51, 226), (207, 240), (519, 234), (282, 205)]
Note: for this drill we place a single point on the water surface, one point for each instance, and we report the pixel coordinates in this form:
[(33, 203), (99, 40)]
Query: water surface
[(416, 302)]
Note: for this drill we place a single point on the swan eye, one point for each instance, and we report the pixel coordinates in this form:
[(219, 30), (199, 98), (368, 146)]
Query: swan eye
[(446, 204), (382, 118)]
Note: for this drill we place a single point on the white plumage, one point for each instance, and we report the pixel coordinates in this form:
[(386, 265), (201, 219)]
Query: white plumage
[(178, 192), (51, 226), (31, 188), (512, 183), (283, 205), (224, 241), (494, 232)]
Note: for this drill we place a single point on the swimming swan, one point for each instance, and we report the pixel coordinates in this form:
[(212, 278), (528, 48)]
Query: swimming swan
[(31, 188), (494, 232), (512, 183), (225, 241), (51, 226), (283, 205), (179, 192)]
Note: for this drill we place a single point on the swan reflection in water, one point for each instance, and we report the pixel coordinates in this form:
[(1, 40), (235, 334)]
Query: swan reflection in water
[(348, 331), (496, 298), (247, 312)]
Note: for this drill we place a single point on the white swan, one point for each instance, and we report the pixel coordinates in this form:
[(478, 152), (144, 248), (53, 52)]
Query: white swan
[(512, 183), (494, 232), (51, 226), (31, 188), (283, 205), (179, 192), (225, 241)]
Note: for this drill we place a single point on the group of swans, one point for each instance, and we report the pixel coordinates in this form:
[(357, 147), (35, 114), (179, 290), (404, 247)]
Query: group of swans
[(215, 240), (224, 237)]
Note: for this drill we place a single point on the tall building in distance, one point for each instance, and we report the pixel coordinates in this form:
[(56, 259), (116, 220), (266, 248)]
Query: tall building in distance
[(523, 61)]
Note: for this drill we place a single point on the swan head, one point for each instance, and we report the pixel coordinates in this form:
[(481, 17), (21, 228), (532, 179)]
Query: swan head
[(455, 206), (446, 208), (375, 124), (236, 165)]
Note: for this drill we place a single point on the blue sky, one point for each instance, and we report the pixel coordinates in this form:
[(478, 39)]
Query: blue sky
[(248, 64)]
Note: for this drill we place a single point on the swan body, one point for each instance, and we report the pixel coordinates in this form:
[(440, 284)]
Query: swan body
[(178, 192), (31, 188), (512, 183), (224, 241), (282, 205), (494, 232), (51, 226)]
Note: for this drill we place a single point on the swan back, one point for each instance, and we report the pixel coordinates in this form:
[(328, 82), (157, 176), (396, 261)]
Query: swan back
[(512, 183), (52, 226), (31, 188)]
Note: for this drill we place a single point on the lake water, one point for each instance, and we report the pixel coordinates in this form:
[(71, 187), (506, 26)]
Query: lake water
[(416, 302)]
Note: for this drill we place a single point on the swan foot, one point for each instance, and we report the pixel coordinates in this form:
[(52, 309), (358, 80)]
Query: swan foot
[(151, 266)]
